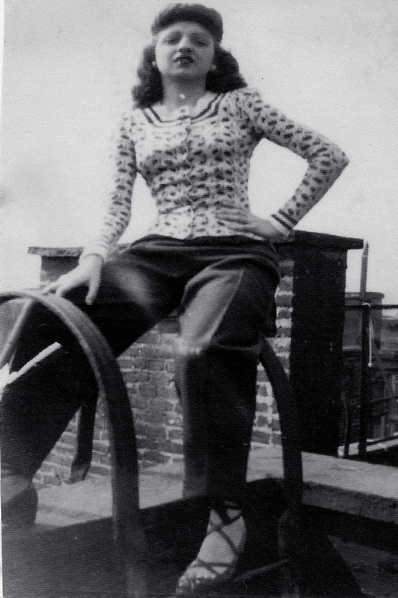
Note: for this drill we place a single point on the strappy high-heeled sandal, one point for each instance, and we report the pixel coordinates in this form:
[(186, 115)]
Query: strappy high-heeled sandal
[(192, 585)]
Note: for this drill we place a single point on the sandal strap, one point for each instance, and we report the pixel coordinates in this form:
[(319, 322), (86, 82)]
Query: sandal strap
[(217, 528), (210, 566), (222, 508)]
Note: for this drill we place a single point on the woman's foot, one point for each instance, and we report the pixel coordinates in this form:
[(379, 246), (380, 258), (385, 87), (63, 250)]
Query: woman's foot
[(18, 500), (219, 554)]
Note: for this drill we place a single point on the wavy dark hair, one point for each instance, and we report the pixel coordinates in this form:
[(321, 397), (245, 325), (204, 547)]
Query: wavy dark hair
[(149, 90)]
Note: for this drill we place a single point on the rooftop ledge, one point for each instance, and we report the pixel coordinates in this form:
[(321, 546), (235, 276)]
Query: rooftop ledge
[(298, 238), (347, 486), (339, 485)]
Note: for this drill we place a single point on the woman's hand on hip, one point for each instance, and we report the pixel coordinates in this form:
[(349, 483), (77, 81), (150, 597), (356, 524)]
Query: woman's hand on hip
[(243, 221), (87, 273)]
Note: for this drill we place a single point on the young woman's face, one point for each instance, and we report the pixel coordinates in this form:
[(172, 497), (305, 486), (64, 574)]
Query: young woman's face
[(184, 50)]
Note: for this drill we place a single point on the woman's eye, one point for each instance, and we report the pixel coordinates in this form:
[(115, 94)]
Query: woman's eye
[(200, 42)]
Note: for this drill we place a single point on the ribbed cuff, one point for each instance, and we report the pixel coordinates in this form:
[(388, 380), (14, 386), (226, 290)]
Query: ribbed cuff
[(280, 224)]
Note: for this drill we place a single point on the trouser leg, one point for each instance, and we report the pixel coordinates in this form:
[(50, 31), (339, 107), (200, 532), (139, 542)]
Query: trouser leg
[(36, 409), (225, 308)]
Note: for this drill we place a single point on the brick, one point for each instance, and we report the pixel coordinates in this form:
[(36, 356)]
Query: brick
[(260, 436), (175, 434), (68, 438), (170, 447), (284, 312), (263, 391), (286, 267), (285, 284), (155, 416), (100, 470), (125, 366), (262, 408), (146, 390), (263, 422), (155, 434), (136, 376), (100, 446), (282, 343), (169, 392), (53, 480), (46, 467), (284, 324), (134, 351), (160, 379), (150, 338), (139, 402), (276, 425), (261, 374), (172, 419), (155, 457), (283, 299), (155, 365), (62, 449)]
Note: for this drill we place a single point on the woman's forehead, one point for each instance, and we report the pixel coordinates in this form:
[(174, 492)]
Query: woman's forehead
[(184, 27)]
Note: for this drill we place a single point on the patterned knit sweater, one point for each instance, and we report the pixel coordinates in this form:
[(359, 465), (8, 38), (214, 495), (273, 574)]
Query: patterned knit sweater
[(195, 164)]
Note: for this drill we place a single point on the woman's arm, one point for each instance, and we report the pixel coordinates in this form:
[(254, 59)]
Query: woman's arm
[(116, 219), (326, 160), (118, 208)]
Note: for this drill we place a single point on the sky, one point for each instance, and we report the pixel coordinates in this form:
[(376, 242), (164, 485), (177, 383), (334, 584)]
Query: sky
[(68, 69)]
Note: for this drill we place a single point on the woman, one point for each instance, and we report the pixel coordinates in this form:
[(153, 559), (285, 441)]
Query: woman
[(191, 135)]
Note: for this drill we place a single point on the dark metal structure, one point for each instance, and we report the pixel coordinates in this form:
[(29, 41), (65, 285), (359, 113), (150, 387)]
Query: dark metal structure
[(367, 346), (130, 525)]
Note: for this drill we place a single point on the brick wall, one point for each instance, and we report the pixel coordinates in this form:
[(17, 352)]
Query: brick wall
[(148, 366)]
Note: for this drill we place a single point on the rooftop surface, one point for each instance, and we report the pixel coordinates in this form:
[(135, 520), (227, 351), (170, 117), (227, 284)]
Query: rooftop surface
[(344, 486)]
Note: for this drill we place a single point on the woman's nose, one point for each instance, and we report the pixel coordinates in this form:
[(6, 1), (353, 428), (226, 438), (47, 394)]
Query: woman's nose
[(185, 45)]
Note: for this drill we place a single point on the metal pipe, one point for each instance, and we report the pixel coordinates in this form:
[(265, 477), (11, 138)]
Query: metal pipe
[(373, 306), (366, 382)]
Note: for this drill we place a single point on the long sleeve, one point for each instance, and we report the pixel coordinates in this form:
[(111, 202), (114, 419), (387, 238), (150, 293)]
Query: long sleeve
[(118, 208), (326, 160)]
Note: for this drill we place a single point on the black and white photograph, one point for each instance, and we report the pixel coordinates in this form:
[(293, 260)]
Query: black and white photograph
[(199, 299)]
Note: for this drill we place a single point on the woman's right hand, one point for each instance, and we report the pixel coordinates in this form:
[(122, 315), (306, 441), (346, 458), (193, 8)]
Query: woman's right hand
[(87, 273)]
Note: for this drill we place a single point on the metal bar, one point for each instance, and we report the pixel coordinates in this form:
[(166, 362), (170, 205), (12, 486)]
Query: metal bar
[(381, 440), (385, 306), (360, 306), (15, 333), (128, 531), (347, 439), (51, 352), (366, 389), (364, 272), (85, 434)]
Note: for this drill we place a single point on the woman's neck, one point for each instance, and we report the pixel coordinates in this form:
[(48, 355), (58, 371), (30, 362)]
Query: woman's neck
[(175, 96)]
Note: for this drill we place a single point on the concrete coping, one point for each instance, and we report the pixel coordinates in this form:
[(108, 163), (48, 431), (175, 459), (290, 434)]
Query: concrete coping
[(344, 485), (297, 238), (341, 485)]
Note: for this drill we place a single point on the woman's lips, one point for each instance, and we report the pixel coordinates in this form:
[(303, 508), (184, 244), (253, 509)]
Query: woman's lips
[(184, 60)]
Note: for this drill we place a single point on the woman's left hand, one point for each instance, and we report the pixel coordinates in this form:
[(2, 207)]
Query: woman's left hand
[(243, 221)]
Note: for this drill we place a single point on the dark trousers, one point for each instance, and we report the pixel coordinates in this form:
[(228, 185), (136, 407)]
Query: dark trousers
[(224, 291)]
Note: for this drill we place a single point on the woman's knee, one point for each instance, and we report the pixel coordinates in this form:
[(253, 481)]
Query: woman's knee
[(190, 348)]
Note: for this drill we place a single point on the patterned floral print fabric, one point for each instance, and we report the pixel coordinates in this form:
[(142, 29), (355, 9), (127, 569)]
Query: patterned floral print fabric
[(195, 164)]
